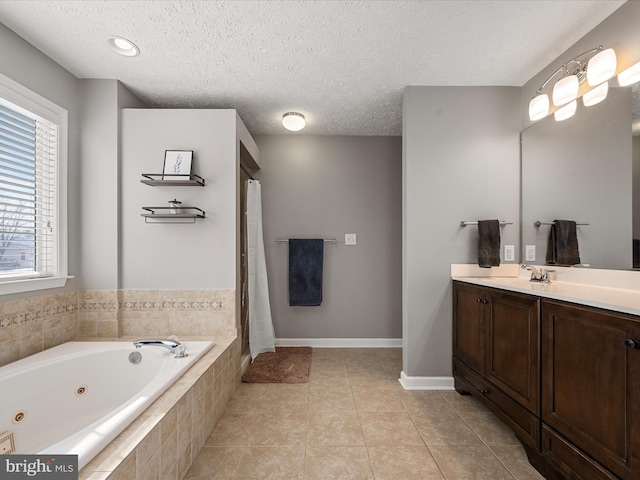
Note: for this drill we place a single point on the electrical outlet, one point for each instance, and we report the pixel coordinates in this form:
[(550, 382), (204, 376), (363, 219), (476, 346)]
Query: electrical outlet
[(509, 253), (7, 445), (349, 238), (530, 253)]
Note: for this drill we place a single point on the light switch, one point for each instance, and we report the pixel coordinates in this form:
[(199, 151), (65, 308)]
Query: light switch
[(530, 253), (349, 238), (509, 253)]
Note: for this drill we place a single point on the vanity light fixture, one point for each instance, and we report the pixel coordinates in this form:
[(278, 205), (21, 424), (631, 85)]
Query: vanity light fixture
[(565, 112), (629, 76), (293, 121), (123, 46), (568, 78), (596, 95)]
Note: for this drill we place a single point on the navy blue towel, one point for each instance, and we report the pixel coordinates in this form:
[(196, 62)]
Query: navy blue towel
[(305, 271)]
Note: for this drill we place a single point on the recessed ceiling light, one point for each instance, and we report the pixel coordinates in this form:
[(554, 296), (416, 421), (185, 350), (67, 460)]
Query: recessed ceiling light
[(293, 121), (123, 46)]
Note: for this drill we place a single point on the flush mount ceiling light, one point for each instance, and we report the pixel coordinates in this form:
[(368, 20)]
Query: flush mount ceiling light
[(123, 46), (596, 65), (596, 95), (293, 121)]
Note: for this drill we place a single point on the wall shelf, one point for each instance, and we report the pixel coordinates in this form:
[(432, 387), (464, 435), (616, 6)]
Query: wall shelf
[(164, 215), (172, 180)]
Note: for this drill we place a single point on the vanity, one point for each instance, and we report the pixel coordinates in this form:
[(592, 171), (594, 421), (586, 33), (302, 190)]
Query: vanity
[(559, 363)]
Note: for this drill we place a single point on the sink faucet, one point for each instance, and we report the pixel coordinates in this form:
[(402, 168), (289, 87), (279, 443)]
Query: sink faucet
[(174, 346), (536, 275)]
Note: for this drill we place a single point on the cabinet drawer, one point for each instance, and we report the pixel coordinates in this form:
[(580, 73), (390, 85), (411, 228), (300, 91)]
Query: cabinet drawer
[(566, 462), (525, 425)]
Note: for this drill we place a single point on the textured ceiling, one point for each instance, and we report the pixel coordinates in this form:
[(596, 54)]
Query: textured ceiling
[(343, 64)]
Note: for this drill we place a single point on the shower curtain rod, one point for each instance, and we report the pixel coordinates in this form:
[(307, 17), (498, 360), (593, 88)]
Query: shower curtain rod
[(286, 240)]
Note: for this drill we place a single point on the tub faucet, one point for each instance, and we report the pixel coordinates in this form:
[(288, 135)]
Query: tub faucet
[(174, 346), (536, 275)]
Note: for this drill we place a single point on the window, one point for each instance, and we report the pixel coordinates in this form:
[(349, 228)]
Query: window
[(32, 190)]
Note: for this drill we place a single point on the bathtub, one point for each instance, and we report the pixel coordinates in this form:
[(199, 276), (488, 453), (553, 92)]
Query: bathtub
[(77, 397)]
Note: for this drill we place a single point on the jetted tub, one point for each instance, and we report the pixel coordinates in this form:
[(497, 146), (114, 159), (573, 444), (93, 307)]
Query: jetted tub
[(77, 397)]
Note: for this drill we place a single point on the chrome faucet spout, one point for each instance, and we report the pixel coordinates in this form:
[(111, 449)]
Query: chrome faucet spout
[(536, 275), (173, 346)]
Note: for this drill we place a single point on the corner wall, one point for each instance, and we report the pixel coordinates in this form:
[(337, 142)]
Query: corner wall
[(460, 161)]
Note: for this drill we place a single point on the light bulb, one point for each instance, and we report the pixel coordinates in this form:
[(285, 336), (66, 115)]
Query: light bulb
[(565, 112), (565, 90), (630, 75), (539, 107), (596, 95), (601, 67)]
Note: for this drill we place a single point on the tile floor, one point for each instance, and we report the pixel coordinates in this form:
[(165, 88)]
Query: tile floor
[(353, 420)]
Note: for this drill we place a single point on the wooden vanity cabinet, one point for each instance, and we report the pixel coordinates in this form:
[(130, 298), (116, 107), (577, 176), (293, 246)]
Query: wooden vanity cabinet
[(591, 384), (496, 352), (565, 377)]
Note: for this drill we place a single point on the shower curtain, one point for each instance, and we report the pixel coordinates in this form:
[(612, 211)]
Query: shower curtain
[(261, 333)]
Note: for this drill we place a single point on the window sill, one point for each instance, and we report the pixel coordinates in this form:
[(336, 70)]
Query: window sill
[(32, 284)]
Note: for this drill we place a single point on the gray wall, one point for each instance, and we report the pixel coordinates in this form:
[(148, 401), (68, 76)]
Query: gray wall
[(200, 256), (21, 62), (581, 169), (323, 186), (461, 158), (102, 101)]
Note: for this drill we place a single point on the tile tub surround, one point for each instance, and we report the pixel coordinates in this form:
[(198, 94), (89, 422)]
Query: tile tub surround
[(33, 324), (165, 440), (177, 312)]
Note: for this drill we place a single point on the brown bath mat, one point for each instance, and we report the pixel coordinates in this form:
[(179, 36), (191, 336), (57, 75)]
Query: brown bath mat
[(285, 365)]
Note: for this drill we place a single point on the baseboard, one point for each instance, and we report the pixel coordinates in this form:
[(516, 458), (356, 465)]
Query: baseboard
[(340, 342), (425, 383)]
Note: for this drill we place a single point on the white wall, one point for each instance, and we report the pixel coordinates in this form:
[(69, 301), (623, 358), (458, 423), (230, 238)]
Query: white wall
[(200, 256), (21, 62), (324, 187), (460, 161), (102, 101)]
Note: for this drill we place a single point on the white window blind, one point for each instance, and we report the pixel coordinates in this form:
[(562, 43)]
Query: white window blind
[(28, 194)]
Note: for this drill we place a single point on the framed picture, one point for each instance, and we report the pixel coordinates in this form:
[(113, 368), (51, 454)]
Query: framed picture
[(177, 164)]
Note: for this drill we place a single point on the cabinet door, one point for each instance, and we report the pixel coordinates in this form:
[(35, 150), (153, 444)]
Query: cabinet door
[(590, 383), (513, 347), (469, 305)]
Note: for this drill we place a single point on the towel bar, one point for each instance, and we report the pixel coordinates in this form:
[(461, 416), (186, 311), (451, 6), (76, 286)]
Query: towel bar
[(502, 223), (537, 223), (286, 240)]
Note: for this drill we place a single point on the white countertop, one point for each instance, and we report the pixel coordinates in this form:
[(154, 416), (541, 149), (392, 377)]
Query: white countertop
[(595, 293)]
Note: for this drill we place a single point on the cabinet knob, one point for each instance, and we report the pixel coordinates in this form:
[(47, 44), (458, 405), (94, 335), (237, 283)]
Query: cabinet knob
[(484, 391), (481, 300), (632, 344)]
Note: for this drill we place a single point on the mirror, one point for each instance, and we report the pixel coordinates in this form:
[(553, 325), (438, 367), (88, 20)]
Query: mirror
[(582, 169)]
